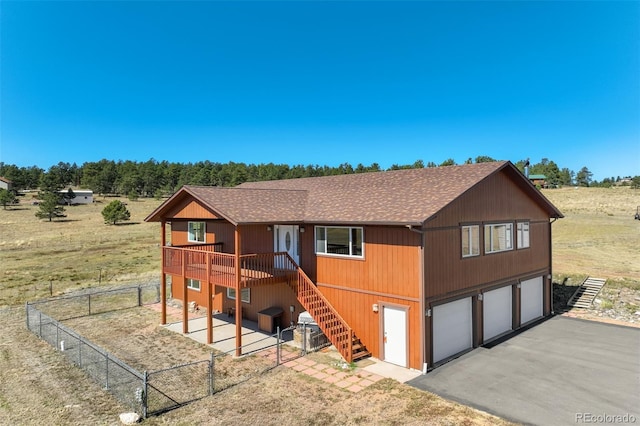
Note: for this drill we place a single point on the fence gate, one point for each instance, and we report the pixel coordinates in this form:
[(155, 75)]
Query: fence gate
[(175, 386)]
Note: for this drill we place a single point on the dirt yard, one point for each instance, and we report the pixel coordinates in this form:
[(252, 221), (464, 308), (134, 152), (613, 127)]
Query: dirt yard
[(37, 383)]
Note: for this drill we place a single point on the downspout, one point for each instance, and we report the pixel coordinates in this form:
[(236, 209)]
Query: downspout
[(421, 298), (551, 267)]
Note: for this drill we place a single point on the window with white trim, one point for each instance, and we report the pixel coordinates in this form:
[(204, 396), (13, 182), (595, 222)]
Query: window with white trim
[(470, 240), (245, 294), (197, 232), (498, 237), (339, 241), (193, 284), (522, 234)]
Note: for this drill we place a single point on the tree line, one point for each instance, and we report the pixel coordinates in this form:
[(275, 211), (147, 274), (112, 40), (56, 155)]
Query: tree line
[(161, 178)]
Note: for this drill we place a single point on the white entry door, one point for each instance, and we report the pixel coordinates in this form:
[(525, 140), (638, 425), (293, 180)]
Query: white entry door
[(395, 335), (531, 299), (286, 239), (452, 328)]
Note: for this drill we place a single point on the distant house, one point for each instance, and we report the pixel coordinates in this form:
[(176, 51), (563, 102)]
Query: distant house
[(5, 183), (413, 266), (538, 180), (82, 196)]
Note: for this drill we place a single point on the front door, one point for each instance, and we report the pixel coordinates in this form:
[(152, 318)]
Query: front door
[(395, 335), (286, 239)]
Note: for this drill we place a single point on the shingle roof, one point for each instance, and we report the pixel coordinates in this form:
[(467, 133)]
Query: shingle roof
[(403, 197), (399, 196), (245, 205)]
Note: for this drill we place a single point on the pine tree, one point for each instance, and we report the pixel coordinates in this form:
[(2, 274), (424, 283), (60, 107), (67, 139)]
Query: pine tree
[(116, 211)]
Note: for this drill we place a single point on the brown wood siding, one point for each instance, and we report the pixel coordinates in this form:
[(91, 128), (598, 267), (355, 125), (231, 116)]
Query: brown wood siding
[(256, 239), (279, 295), (191, 209), (357, 311), (493, 200), (447, 272), (391, 264), (200, 297), (216, 231), (307, 252)]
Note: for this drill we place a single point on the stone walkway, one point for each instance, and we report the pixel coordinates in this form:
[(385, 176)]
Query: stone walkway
[(353, 381)]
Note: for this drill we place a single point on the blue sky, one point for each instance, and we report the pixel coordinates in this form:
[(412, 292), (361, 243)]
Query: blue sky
[(321, 82)]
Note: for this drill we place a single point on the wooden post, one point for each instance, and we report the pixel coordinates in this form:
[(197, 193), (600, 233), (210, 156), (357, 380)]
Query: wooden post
[(238, 294), (209, 302), (185, 298), (163, 277)]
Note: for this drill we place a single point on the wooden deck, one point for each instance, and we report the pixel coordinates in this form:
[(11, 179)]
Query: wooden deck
[(220, 268)]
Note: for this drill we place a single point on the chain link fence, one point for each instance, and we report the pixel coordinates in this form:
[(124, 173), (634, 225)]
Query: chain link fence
[(146, 393), (92, 302), (154, 392)]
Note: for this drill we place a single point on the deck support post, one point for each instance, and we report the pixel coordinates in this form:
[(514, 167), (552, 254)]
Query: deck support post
[(163, 276), (185, 297), (238, 293), (209, 302)]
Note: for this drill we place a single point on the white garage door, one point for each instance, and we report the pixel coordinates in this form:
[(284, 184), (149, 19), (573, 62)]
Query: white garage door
[(497, 312), (531, 297), (452, 328)]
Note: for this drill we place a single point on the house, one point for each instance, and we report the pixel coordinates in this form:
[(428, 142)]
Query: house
[(5, 183), (538, 180), (81, 196), (411, 266)]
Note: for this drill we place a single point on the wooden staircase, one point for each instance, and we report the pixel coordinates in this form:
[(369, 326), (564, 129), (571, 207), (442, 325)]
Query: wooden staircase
[(328, 319), (586, 293)]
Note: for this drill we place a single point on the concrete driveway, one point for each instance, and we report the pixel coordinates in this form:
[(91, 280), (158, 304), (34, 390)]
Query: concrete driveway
[(564, 371)]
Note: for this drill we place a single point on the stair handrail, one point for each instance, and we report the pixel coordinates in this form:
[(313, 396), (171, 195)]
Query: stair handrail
[(346, 330)]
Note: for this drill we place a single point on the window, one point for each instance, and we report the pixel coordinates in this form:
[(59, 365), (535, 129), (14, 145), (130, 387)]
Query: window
[(522, 234), (245, 294), (498, 237), (470, 240), (193, 284), (197, 232), (340, 241)]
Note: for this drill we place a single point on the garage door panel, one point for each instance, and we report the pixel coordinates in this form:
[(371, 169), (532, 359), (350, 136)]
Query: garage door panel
[(531, 299), (497, 312), (452, 328)]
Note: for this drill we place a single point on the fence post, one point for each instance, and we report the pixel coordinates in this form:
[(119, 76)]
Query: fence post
[(26, 308), (80, 351), (278, 346), (106, 376), (145, 381), (57, 336), (139, 296), (304, 338), (211, 361)]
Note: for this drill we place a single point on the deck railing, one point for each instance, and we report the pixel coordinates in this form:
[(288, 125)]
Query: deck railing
[(261, 268)]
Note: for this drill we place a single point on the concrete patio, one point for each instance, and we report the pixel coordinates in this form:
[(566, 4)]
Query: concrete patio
[(224, 334)]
